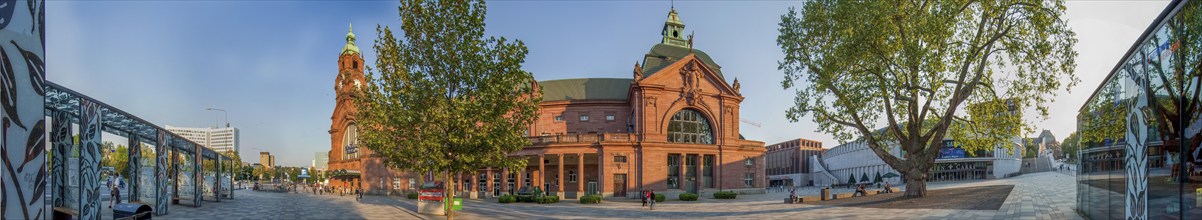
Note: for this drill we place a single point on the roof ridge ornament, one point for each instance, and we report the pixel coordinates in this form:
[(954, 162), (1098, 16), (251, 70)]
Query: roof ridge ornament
[(691, 41), (638, 71)]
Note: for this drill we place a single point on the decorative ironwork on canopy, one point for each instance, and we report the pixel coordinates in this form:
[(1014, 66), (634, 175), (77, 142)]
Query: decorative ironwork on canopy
[(117, 121)]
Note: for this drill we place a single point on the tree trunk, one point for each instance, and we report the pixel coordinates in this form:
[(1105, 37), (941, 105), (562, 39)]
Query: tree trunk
[(449, 198), (916, 182)]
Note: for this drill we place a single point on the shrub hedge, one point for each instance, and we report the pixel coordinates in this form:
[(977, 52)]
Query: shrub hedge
[(725, 195), (546, 199), (688, 197), (660, 198), (507, 199), (590, 199), (411, 195)]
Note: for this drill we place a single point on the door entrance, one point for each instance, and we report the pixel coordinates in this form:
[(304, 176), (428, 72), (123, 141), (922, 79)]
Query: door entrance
[(592, 187), (619, 185), (690, 173)]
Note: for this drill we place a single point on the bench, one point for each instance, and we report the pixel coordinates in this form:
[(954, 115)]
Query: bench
[(64, 213), (843, 195)]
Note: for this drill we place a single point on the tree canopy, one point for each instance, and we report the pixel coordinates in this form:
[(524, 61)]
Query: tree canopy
[(901, 73), (443, 97)]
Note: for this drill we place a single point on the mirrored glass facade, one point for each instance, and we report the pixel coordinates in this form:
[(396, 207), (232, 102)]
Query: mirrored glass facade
[(1142, 128)]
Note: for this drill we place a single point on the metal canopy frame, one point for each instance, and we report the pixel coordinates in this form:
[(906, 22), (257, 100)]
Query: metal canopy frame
[(119, 122)]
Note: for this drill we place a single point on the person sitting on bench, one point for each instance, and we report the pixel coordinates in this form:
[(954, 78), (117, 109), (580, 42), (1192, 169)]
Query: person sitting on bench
[(860, 191), (888, 189), (792, 195)]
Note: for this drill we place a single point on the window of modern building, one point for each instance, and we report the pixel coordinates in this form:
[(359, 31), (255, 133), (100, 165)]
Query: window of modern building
[(619, 159), (674, 171), (690, 126)]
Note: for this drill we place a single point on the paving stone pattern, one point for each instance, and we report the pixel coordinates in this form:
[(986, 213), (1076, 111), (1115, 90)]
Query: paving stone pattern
[(1046, 195)]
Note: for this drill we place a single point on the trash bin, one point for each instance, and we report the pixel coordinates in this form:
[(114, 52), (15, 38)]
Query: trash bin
[(131, 211), (826, 193)]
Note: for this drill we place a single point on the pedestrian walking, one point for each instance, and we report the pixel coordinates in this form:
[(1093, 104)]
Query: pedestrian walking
[(644, 195), (651, 199)]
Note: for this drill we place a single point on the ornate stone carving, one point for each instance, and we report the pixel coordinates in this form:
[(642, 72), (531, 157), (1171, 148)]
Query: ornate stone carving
[(638, 71), (690, 77)]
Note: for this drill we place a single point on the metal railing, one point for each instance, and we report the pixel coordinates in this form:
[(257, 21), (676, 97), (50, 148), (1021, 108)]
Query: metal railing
[(582, 138)]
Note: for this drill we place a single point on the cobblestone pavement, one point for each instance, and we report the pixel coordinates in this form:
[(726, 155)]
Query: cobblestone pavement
[(270, 205), (1047, 195)]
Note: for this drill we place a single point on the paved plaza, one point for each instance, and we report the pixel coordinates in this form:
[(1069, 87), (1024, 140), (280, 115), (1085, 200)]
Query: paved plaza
[(1046, 195)]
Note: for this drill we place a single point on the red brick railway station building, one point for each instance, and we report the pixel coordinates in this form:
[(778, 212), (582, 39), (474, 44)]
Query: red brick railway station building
[(673, 127)]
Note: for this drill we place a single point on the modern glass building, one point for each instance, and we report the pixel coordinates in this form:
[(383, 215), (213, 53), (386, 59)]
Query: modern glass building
[(1142, 128)]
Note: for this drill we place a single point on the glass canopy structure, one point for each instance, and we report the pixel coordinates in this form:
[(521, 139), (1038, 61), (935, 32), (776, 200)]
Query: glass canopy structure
[(164, 168)]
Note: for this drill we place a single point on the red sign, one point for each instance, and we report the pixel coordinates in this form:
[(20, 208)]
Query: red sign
[(431, 195), (431, 191)]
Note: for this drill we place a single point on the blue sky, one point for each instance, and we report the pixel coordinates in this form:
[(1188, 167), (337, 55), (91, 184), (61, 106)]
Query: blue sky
[(272, 64)]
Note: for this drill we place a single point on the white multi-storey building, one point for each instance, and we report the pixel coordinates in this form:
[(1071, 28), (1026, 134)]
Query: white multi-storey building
[(321, 160), (854, 162), (218, 139)]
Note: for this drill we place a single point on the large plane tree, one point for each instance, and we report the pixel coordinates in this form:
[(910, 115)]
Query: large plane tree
[(909, 74)]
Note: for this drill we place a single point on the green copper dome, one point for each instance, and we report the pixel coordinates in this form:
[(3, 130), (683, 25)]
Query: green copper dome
[(350, 42)]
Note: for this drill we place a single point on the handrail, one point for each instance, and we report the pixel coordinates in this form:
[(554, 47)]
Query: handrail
[(582, 138)]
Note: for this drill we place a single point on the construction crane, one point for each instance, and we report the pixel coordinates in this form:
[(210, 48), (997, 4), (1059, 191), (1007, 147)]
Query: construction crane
[(752, 123)]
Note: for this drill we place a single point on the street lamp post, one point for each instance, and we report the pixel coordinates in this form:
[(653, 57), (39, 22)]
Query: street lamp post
[(226, 115)]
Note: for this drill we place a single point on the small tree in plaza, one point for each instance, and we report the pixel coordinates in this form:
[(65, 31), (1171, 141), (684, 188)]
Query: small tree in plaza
[(443, 98), (901, 73)]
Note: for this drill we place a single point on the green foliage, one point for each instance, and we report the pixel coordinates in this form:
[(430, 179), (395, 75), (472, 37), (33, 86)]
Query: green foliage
[(443, 97), (660, 197), (725, 195), (590, 199), (546, 199), (1071, 145), (413, 195), (507, 199), (684, 197), (116, 156), (902, 73)]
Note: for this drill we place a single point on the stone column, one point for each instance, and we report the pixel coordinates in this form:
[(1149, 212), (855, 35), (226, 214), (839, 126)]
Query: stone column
[(601, 172), (475, 193), (579, 175), (542, 173), (559, 178), (680, 180), (135, 167), (504, 181), (488, 187), (521, 180), (89, 159), (60, 136)]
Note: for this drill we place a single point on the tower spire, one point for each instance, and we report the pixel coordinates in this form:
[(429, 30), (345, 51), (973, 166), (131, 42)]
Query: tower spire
[(673, 32), (350, 41)]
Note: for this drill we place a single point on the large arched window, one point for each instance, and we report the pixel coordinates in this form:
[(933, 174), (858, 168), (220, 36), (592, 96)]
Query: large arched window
[(690, 126), (350, 142)]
